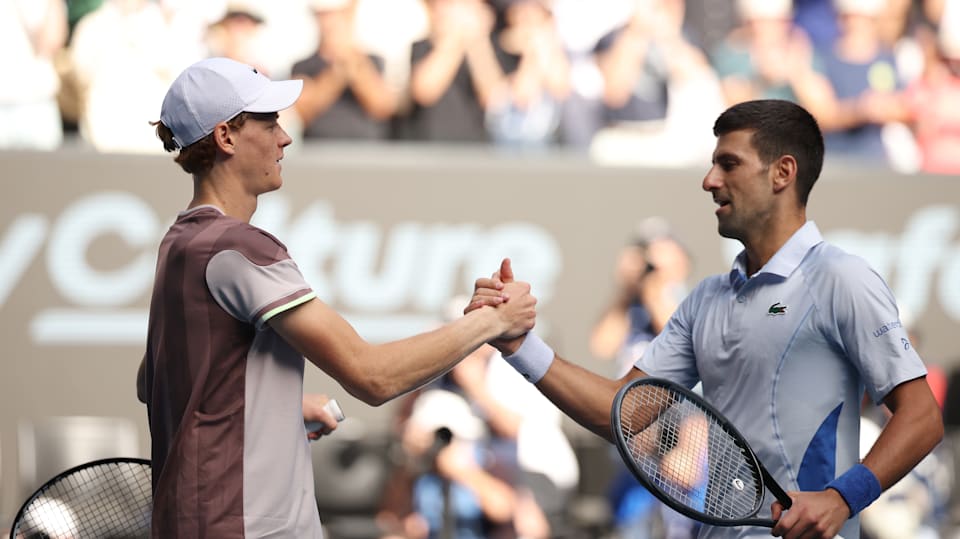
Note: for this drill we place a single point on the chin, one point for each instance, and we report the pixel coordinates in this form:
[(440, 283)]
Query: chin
[(727, 231)]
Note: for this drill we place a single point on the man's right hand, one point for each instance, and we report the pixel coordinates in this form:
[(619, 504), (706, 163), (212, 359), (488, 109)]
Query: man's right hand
[(501, 291)]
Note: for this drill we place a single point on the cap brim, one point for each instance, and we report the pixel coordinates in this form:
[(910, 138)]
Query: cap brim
[(279, 95)]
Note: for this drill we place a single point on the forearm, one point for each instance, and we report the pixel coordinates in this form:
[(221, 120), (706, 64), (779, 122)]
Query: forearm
[(564, 385), (620, 67), (370, 89), (485, 71), (495, 497), (376, 373), (914, 429), (320, 93), (52, 34), (610, 332), (432, 76)]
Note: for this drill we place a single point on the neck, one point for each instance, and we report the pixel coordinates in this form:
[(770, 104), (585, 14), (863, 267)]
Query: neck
[(770, 238), (214, 190)]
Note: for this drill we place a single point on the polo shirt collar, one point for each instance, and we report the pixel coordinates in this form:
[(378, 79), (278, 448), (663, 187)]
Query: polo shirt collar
[(785, 260)]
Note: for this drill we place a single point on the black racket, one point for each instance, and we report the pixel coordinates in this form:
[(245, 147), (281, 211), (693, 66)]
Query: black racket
[(106, 499), (689, 456)]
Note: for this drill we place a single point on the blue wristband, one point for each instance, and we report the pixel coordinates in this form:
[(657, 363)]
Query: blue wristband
[(858, 487), (532, 359)]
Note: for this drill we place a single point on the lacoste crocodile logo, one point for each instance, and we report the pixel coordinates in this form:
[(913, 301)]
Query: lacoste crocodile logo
[(777, 309)]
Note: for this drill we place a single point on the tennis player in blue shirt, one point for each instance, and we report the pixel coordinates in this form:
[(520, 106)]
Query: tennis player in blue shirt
[(785, 344)]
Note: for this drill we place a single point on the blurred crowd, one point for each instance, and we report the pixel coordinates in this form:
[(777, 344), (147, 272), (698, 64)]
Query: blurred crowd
[(626, 81)]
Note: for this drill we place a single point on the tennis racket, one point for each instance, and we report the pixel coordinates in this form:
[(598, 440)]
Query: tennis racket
[(690, 456), (109, 498)]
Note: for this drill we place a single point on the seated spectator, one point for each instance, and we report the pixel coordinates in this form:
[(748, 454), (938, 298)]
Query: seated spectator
[(526, 110), (344, 94), (31, 33), (453, 74)]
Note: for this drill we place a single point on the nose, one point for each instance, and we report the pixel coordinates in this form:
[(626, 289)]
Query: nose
[(712, 180), (285, 139)]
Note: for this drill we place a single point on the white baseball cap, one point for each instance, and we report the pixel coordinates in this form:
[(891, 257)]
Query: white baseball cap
[(439, 408), (217, 89)]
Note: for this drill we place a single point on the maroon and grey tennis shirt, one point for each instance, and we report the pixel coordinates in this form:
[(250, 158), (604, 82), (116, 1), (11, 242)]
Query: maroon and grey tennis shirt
[(223, 390)]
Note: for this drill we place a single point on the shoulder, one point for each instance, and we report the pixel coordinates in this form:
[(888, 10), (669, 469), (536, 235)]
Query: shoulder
[(843, 280), (255, 244), (829, 263)]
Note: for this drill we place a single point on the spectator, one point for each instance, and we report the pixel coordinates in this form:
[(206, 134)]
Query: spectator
[(344, 95), (235, 34), (862, 71), (521, 465), (651, 276), (525, 112), (454, 72), (658, 88), (929, 103), (124, 56), (31, 33), (768, 57), (581, 25)]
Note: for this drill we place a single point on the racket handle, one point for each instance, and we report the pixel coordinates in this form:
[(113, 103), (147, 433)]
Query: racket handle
[(332, 407)]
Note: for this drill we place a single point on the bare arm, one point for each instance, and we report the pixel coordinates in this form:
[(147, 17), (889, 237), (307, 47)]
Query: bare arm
[(320, 92), (621, 65), (372, 91), (434, 73), (585, 396), (51, 35), (497, 499), (914, 429), (378, 373), (485, 71)]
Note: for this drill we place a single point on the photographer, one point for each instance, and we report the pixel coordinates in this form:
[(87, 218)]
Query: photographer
[(651, 276)]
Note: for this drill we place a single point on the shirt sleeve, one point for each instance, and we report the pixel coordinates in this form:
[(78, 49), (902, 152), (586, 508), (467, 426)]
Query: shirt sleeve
[(253, 292), (670, 354), (869, 329)]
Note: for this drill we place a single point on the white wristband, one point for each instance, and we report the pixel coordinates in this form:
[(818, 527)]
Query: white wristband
[(532, 359)]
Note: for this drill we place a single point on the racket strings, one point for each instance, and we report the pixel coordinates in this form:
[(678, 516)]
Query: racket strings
[(688, 454), (110, 501)]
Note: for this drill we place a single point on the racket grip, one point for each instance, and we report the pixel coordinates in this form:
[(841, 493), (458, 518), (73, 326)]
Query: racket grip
[(333, 407)]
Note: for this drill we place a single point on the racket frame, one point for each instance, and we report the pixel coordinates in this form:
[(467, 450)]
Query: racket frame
[(767, 480)]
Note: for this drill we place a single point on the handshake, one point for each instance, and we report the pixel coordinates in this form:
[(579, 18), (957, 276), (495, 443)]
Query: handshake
[(511, 300)]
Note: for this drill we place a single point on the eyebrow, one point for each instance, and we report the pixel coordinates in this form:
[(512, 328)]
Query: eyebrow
[(727, 156)]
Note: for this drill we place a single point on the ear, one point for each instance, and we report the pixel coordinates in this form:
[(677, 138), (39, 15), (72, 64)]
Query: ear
[(783, 172), (225, 138)]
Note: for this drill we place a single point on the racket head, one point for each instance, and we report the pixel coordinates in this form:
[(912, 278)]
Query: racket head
[(108, 498), (687, 454)]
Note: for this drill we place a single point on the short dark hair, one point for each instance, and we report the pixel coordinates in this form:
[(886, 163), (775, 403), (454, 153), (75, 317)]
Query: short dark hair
[(197, 158), (779, 128)]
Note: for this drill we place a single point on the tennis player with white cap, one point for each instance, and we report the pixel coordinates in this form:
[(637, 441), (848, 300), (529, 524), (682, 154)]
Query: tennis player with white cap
[(232, 318)]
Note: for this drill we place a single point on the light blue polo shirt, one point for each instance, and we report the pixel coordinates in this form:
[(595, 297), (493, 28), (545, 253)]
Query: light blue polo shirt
[(786, 355)]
